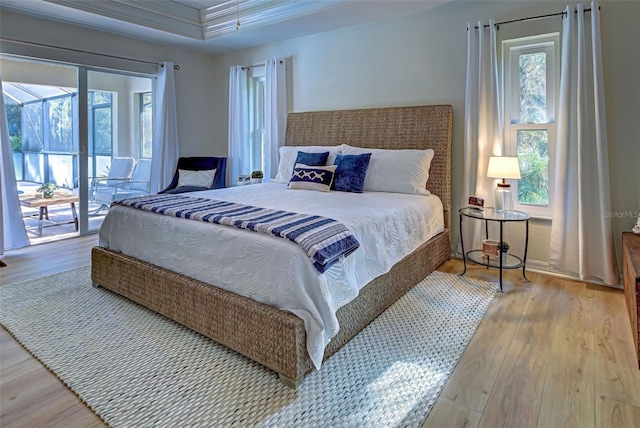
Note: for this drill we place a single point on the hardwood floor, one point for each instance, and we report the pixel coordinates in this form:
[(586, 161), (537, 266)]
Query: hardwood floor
[(549, 353), (30, 395)]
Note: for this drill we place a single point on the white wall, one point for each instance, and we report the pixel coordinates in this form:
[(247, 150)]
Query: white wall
[(422, 59), (196, 129)]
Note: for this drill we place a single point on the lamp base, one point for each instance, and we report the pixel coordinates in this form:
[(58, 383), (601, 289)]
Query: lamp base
[(504, 198)]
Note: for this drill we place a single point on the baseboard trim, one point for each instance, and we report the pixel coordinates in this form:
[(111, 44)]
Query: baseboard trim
[(539, 266), (544, 267)]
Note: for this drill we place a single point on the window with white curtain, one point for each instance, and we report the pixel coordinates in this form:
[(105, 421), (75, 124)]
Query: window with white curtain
[(145, 124), (531, 88), (257, 117)]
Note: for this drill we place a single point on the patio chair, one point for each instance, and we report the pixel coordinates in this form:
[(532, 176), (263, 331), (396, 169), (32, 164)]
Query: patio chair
[(199, 164), (120, 172), (138, 185)]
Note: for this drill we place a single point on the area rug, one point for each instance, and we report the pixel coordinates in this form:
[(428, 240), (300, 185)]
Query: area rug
[(133, 367)]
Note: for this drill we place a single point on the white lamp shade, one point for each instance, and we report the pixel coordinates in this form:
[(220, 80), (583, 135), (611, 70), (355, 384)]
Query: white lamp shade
[(503, 167)]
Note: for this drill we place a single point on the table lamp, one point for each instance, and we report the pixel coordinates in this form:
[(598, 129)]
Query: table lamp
[(505, 168)]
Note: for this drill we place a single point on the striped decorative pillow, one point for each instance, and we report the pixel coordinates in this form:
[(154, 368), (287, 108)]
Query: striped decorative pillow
[(312, 177)]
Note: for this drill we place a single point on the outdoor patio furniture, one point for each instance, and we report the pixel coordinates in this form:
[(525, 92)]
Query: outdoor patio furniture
[(137, 185), (43, 205), (120, 171)]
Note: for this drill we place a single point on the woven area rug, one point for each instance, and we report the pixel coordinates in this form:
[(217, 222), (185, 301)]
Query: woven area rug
[(136, 368)]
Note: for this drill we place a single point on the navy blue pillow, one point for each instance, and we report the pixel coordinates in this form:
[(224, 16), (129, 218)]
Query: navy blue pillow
[(351, 172), (312, 159)]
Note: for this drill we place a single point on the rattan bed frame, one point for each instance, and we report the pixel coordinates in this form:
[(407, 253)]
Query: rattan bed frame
[(274, 338)]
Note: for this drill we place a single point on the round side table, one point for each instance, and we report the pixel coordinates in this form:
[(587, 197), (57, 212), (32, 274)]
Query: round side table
[(477, 256)]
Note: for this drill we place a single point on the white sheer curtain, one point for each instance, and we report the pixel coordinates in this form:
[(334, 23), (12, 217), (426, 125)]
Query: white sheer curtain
[(12, 232), (165, 129), (275, 112), (581, 237), (483, 122), (239, 159)]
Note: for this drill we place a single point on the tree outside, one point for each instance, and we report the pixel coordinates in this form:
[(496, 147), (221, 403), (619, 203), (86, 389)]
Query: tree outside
[(532, 145), (533, 157), (14, 121)]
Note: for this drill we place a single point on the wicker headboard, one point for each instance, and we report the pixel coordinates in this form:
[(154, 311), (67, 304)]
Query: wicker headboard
[(419, 127)]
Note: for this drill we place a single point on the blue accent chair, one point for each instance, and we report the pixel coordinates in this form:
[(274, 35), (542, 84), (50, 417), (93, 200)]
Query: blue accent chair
[(199, 164)]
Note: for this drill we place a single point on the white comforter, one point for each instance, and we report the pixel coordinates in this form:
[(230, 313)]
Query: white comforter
[(276, 271)]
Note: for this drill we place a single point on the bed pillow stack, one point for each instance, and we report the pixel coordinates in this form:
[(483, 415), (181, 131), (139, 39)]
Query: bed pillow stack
[(357, 169), (289, 155), (396, 171), (312, 172), (351, 172)]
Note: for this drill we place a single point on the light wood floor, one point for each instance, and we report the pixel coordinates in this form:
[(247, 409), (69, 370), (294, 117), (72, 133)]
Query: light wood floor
[(30, 395), (549, 353)]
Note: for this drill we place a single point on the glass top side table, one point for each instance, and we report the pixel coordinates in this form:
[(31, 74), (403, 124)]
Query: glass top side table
[(477, 256)]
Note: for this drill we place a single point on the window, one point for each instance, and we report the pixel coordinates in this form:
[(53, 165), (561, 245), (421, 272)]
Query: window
[(146, 125), (47, 142), (60, 124), (100, 131), (257, 122), (14, 122), (33, 142), (530, 70), (43, 131)]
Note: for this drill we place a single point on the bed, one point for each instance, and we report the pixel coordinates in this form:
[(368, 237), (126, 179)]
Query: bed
[(241, 323)]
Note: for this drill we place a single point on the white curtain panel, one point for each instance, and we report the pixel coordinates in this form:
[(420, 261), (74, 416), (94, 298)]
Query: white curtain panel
[(276, 113), (483, 122), (165, 129), (581, 238), (12, 232), (239, 159)]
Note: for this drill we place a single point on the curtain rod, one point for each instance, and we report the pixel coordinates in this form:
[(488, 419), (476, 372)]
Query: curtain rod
[(247, 67), (531, 18), (23, 42)]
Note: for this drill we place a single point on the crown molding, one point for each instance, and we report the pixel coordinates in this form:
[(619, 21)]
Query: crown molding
[(210, 25), (214, 21), (163, 15), (222, 18)]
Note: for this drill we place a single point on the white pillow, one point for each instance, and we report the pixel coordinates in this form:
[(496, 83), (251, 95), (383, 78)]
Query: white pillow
[(202, 178), (396, 171), (288, 155)]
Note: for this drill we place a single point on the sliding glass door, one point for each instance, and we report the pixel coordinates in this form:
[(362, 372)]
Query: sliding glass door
[(41, 102), (118, 139), (84, 132)]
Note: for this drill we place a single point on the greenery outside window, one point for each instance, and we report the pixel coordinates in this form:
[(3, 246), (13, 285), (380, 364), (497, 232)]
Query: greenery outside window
[(531, 92), (257, 119), (145, 129), (60, 124), (100, 132)]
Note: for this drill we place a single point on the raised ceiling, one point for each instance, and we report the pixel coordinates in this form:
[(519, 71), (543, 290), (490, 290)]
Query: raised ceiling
[(212, 25)]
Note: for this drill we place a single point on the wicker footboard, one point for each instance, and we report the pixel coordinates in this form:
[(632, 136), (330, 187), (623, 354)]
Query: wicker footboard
[(243, 324)]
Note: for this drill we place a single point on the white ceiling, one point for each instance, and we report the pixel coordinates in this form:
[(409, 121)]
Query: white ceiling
[(210, 25)]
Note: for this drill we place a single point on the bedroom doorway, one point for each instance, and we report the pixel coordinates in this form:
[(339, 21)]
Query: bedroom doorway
[(55, 141)]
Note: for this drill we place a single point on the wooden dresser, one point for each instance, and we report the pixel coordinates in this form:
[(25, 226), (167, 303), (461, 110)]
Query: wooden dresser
[(631, 268)]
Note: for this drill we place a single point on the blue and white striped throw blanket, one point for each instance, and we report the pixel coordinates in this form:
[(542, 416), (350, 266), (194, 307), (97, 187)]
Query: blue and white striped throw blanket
[(323, 239)]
